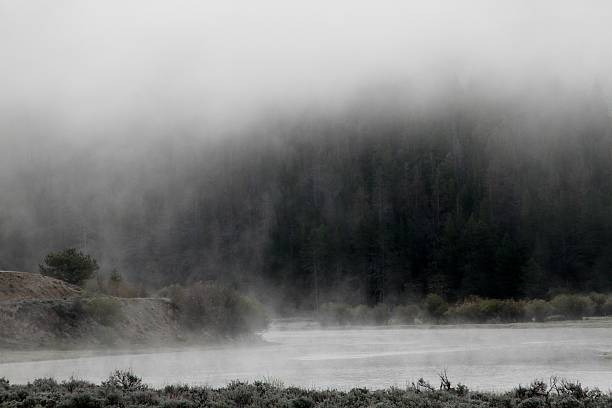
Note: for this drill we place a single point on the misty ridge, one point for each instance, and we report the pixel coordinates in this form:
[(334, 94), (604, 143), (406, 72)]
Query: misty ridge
[(466, 192), (308, 154)]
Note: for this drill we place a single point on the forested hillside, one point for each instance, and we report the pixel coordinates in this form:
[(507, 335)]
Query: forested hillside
[(465, 193)]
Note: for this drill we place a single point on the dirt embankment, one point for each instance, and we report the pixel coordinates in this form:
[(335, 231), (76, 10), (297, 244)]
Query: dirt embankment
[(38, 311), (25, 285)]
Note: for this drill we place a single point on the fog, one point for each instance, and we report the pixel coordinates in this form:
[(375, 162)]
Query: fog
[(354, 158), (485, 358), (93, 67), (114, 111)]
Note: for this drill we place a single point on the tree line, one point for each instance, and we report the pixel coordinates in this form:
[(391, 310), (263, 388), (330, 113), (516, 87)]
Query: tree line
[(506, 196)]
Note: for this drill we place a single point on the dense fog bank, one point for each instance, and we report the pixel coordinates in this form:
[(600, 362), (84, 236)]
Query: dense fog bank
[(314, 152), (468, 191)]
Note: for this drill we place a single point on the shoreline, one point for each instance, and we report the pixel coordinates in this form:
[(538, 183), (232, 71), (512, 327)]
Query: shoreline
[(311, 324)]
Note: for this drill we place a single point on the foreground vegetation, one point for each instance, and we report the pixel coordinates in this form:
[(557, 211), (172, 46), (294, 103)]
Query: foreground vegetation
[(124, 389), (434, 309)]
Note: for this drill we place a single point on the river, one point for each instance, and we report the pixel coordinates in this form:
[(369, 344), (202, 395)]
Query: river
[(482, 357)]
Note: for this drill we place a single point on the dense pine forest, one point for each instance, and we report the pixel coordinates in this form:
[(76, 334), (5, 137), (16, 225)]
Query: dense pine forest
[(463, 192)]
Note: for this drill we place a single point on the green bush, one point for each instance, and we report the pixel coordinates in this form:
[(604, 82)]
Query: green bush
[(44, 384), (302, 402), (361, 314), (117, 286), (74, 384), (538, 310), (572, 306), (381, 314), (81, 400), (607, 308), (145, 397), (599, 301), (177, 403), (406, 314), (124, 380), (335, 314), (479, 310), (532, 403), (435, 307), (210, 307), (253, 314), (464, 312), (472, 309), (511, 310), (104, 310)]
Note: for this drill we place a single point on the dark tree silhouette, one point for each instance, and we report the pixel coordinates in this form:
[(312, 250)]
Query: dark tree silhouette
[(69, 265)]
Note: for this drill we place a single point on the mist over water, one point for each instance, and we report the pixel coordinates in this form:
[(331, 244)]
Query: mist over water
[(400, 147), (482, 358)]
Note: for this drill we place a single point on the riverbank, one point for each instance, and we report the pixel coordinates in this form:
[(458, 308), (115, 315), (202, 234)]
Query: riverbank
[(43, 313), (96, 322), (38, 311), (126, 389), (434, 309), (312, 324)]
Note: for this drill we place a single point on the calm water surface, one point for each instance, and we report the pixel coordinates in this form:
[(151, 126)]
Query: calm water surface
[(486, 358)]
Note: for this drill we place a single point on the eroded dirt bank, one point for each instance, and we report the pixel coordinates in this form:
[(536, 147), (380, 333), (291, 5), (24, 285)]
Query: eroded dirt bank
[(39, 311)]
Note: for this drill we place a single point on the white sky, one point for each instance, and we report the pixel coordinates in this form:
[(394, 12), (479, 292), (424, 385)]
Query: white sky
[(83, 61)]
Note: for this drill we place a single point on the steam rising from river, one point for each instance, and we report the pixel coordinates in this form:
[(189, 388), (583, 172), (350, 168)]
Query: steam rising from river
[(484, 358)]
